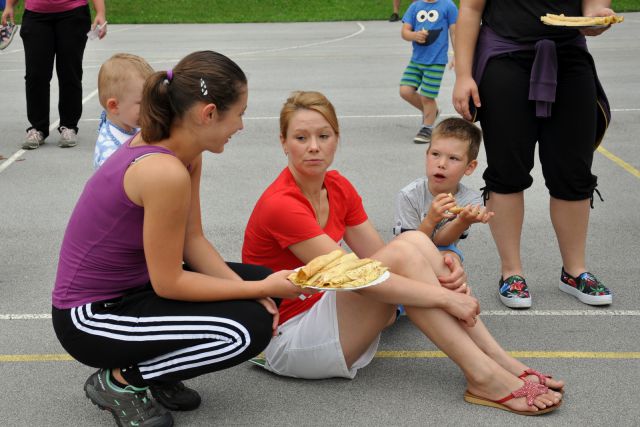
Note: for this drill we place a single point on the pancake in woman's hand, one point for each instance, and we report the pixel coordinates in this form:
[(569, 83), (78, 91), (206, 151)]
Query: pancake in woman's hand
[(316, 265), (580, 21), (346, 271)]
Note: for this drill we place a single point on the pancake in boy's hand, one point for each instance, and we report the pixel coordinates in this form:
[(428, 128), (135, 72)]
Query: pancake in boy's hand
[(456, 210)]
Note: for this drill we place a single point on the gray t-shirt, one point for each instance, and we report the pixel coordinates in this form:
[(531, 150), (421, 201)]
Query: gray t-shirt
[(414, 200)]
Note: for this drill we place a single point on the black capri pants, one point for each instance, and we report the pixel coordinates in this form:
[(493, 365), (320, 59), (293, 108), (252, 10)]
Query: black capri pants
[(156, 340), (511, 129)]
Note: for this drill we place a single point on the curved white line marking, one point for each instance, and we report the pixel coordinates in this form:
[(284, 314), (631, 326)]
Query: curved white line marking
[(280, 49)]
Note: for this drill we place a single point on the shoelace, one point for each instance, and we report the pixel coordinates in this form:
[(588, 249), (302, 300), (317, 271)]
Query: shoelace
[(33, 135), (144, 407), (67, 133)]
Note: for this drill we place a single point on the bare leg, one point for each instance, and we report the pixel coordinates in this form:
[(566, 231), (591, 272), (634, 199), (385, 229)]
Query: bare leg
[(117, 374), (506, 229), (410, 94), (570, 220), (479, 333), (485, 377), (396, 6), (429, 110), (427, 249)]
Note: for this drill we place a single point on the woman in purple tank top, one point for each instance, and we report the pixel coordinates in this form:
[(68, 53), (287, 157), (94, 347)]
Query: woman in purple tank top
[(123, 301)]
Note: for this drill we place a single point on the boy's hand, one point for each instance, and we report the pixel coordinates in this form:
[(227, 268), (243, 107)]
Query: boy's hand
[(472, 214), (439, 209), (420, 36)]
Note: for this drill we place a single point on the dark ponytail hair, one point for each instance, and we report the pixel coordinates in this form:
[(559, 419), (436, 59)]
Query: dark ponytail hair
[(205, 76)]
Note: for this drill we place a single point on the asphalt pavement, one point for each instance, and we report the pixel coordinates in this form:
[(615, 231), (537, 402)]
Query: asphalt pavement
[(358, 65)]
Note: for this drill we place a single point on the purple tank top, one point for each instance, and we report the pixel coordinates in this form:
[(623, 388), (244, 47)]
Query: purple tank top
[(102, 254)]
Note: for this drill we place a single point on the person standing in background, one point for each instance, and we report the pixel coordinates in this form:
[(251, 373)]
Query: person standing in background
[(395, 16), (55, 30), (555, 100)]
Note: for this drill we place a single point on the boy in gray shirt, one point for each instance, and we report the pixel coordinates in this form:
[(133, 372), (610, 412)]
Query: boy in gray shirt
[(438, 204)]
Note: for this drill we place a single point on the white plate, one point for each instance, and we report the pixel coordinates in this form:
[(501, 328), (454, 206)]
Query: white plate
[(384, 276), (577, 27)]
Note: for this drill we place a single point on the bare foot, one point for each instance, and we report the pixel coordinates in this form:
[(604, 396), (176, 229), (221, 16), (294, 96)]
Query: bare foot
[(550, 382), (503, 385)]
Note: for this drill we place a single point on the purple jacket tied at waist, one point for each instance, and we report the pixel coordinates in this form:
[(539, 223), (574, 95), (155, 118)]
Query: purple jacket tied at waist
[(544, 71)]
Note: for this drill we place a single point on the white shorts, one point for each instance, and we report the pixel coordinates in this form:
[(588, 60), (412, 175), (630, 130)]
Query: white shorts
[(308, 345)]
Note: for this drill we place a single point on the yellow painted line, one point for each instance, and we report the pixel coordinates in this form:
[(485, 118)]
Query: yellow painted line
[(618, 161), (35, 357), (519, 354), (388, 354)]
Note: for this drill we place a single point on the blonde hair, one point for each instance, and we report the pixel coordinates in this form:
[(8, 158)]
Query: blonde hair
[(302, 100), (455, 127), (116, 71)]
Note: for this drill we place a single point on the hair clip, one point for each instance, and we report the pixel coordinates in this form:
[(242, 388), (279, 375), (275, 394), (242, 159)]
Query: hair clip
[(203, 87), (169, 77)]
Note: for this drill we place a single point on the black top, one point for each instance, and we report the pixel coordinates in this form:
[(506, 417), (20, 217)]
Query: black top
[(519, 20)]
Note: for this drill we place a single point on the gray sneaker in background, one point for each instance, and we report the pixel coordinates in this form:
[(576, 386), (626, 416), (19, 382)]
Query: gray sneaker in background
[(130, 406), (68, 137), (7, 32), (33, 140), (423, 136)]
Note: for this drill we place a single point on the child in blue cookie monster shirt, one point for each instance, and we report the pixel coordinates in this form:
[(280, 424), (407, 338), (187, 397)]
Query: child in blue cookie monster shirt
[(428, 24)]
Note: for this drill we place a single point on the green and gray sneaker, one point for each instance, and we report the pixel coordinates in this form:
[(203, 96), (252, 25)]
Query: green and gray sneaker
[(130, 406)]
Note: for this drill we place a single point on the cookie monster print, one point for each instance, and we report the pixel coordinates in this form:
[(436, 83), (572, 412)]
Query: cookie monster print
[(429, 19)]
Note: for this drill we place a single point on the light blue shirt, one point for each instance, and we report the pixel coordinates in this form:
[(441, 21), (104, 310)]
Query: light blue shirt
[(110, 137)]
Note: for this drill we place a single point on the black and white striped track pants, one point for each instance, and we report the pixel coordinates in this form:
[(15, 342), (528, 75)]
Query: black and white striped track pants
[(165, 340)]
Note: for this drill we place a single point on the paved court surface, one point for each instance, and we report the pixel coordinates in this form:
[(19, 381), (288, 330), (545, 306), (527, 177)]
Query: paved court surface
[(358, 65)]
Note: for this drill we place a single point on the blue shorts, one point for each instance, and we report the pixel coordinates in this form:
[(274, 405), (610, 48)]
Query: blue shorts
[(425, 78)]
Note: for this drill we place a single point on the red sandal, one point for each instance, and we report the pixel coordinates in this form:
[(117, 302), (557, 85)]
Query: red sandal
[(542, 378), (529, 390)]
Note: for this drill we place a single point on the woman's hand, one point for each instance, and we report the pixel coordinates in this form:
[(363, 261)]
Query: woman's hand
[(605, 11), (463, 307), (277, 285), (7, 14), (272, 308), (457, 280), (101, 22), (464, 89)]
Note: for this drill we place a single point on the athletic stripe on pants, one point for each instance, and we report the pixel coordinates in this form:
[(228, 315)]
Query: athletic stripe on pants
[(226, 338)]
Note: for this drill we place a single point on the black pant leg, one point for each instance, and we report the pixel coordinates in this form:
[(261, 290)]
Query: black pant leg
[(71, 29), (38, 37)]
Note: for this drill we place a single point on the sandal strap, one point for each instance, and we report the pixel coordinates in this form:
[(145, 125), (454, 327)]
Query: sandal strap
[(529, 390), (541, 377)]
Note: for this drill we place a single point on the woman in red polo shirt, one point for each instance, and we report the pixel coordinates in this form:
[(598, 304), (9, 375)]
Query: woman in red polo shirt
[(308, 211)]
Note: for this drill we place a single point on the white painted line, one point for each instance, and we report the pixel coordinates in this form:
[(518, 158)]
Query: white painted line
[(484, 313), (594, 312), (280, 49), (11, 159), (54, 125)]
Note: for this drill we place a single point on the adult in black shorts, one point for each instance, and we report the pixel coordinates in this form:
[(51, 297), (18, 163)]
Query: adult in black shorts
[(532, 83), (123, 302)]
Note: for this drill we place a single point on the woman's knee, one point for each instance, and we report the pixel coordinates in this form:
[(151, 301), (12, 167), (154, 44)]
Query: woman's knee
[(401, 256)]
